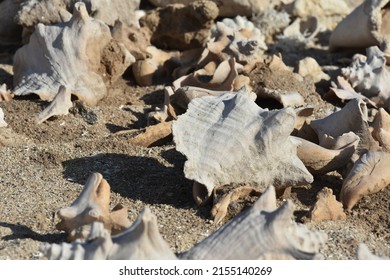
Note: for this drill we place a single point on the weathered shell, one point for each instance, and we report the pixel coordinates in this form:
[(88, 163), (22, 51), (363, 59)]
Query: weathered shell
[(229, 139), (352, 117), (370, 76), (67, 54), (262, 232), (60, 105), (326, 207), (381, 129), (2, 121), (370, 174), (92, 205), (227, 8), (5, 95), (366, 26), (309, 67), (319, 160), (141, 241)]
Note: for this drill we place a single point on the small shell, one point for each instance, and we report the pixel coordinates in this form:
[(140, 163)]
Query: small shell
[(92, 205), (229, 139), (5, 95), (369, 174), (381, 129), (274, 236), (327, 208)]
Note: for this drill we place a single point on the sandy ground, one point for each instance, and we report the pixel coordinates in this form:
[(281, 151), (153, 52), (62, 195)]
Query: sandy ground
[(44, 167)]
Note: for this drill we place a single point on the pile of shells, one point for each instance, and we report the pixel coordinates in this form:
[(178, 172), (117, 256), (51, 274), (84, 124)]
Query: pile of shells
[(219, 70)]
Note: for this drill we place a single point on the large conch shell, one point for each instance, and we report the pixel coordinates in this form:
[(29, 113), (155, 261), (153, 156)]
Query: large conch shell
[(369, 174), (366, 26), (275, 236), (67, 54), (92, 205), (381, 129), (229, 139), (141, 241), (370, 75)]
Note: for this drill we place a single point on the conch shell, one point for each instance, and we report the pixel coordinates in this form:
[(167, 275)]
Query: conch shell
[(67, 54), (229, 139), (92, 205), (381, 129), (366, 26), (368, 175)]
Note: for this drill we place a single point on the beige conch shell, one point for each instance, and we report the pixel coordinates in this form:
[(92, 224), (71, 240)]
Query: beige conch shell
[(141, 241), (352, 117), (319, 160), (309, 67), (229, 139), (381, 129), (370, 75), (60, 105), (5, 95), (66, 54), (2, 121), (92, 205), (366, 26), (274, 236), (369, 174)]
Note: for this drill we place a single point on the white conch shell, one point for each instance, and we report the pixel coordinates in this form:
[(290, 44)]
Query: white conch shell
[(352, 117), (5, 95), (229, 139), (366, 26), (60, 105), (262, 232), (381, 129), (369, 75), (65, 54), (319, 160), (222, 79), (92, 205), (369, 174), (141, 241), (2, 121), (363, 253)]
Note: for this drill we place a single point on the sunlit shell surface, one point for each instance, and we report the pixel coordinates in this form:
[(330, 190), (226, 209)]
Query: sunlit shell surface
[(229, 139)]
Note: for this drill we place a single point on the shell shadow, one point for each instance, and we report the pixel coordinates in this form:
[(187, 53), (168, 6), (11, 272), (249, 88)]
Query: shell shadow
[(23, 232), (136, 177)]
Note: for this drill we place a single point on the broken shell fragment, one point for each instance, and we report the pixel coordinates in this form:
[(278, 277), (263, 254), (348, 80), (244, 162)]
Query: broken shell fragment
[(154, 135), (5, 95), (327, 208), (319, 160), (66, 54), (229, 139), (368, 175), (92, 205), (141, 241), (275, 236), (60, 105), (363, 253), (370, 24)]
